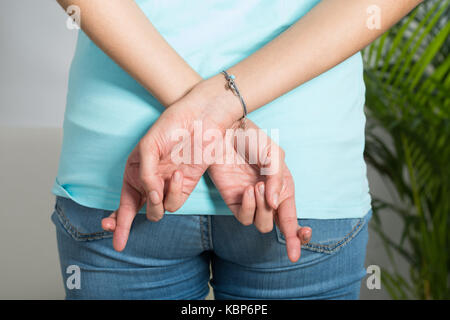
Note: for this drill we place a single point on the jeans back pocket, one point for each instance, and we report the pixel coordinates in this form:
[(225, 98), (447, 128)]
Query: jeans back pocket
[(82, 223), (329, 235)]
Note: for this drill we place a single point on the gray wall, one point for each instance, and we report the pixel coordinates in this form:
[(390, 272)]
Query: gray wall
[(36, 51), (35, 55)]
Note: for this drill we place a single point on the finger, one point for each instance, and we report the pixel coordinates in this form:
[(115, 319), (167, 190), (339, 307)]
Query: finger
[(288, 224), (304, 234), (246, 213), (264, 214), (272, 160), (130, 202), (271, 164), (174, 197), (155, 207), (109, 223), (274, 184), (151, 182)]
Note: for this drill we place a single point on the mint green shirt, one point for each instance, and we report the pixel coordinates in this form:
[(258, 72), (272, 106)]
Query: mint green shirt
[(321, 123)]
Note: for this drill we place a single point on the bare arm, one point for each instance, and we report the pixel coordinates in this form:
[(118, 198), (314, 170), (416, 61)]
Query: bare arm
[(124, 33), (327, 35), (331, 32)]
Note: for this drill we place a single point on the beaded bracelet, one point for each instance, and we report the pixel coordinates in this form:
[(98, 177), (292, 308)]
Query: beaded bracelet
[(232, 86)]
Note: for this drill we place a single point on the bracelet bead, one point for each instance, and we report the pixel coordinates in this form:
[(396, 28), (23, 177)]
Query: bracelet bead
[(233, 87)]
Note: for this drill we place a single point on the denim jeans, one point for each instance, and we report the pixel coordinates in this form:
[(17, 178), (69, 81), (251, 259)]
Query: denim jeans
[(174, 258)]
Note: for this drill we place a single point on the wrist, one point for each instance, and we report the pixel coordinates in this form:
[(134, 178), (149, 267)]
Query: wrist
[(219, 102)]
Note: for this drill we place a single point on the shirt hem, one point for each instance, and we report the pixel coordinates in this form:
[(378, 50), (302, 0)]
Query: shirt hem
[(205, 206)]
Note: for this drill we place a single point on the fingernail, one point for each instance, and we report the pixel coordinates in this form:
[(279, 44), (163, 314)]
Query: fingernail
[(306, 236), (154, 197), (250, 191), (177, 176), (275, 200), (261, 189)]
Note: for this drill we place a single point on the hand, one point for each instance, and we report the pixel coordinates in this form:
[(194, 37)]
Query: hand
[(245, 189), (151, 176)]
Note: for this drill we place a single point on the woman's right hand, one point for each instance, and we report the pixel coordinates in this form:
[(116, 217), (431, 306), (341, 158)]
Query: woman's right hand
[(242, 185)]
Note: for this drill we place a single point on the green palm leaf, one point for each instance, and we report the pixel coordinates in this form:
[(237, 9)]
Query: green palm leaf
[(407, 75)]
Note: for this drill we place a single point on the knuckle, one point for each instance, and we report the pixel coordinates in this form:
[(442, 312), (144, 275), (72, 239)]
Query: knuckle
[(127, 207), (146, 180), (122, 228), (289, 238), (288, 221), (142, 146)]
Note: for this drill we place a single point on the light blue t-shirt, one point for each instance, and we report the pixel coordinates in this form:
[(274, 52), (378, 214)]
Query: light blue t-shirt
[(321, 123)]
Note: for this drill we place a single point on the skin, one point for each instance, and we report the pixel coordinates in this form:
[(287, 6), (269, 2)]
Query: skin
[(151, 61)]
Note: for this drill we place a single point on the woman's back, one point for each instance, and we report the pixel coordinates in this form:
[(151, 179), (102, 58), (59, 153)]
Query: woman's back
[(321, 123)]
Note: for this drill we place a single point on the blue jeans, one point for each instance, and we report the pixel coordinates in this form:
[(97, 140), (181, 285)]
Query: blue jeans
[(172, 258)]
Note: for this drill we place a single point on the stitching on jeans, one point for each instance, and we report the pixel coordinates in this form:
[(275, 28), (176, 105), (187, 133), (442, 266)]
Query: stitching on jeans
[(333, 248), (73, 231), (211, 247), (201, 232), (343, 239)]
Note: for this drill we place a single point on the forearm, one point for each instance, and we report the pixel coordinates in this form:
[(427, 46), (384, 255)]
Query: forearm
[(331, 32), (125, 34)]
